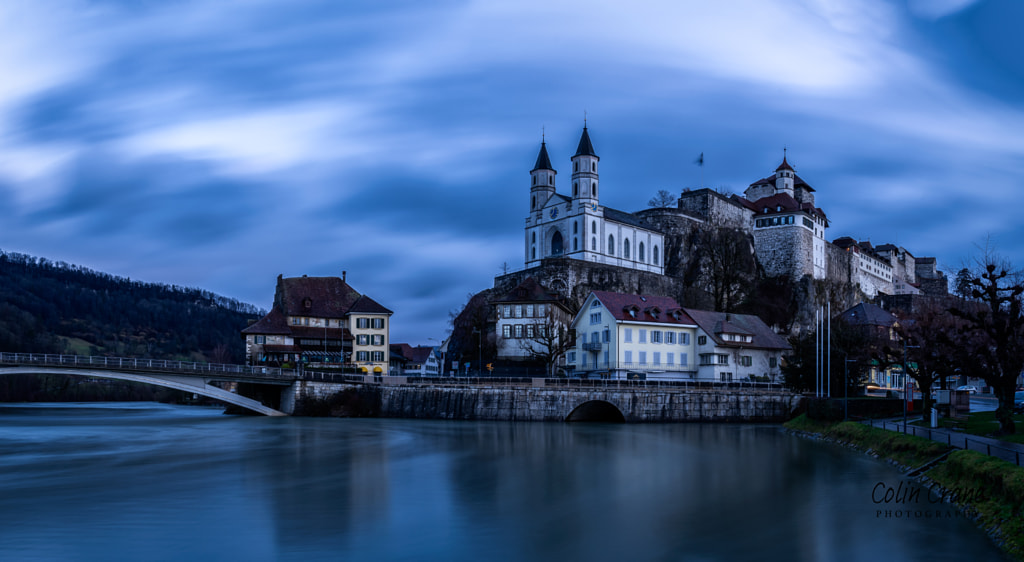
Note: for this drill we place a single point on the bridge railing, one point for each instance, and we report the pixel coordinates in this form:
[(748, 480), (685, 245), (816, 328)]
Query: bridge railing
[(137, 364)]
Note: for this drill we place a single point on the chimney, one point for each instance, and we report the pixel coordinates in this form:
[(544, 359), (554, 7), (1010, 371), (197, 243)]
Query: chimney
[(343, 275)]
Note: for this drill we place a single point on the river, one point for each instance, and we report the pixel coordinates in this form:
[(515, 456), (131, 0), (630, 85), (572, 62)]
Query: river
[(146, 481)]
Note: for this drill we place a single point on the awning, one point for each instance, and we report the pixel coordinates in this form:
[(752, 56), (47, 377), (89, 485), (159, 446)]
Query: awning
[(328, 355)]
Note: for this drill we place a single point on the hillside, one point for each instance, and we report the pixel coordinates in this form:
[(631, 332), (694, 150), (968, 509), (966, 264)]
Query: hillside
[(55, 307)]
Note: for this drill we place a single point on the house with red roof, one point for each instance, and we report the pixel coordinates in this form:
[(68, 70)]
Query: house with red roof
[(647, 337), (422, 360), (321, 322)]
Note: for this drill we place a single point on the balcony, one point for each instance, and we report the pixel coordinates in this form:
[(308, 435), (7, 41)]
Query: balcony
[(592, 346)]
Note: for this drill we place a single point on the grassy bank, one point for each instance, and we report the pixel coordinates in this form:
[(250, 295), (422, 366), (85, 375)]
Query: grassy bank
[(990, 488), (983, 424)]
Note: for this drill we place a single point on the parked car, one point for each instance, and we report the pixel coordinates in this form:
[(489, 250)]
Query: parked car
[(969, 388), (1018, 402)]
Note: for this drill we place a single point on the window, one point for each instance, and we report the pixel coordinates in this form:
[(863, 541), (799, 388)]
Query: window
[(575, 227), (376, 355), (593, 166), (506, 331), (702, 340), (611, 245), (643, 357), (593, 188), (746, 360), (541, 310), (657, 358), (627, 356), (655, 336), (261, 339), (575, 244), (640, 254), (575, 166), (529, 330), (593, 244), (595, 318), (606, 335), (595, 304), (362, 356), (575, 189), (533, 238), (506, 311), (627, 335), (625, 248), (593, 227), (378, 340), (595, 337), (362, 339), (723, 359), (605, 358), (533, 253), (654, 255), (519, 311), (572, 357), (772, 362), (378, 323), (643, 336), (670, 337), (670, 358), (519, 330), (683, 359), (529, 311), (307, 321)]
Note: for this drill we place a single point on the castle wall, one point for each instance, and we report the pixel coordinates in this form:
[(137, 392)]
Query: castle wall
[(785, 250)]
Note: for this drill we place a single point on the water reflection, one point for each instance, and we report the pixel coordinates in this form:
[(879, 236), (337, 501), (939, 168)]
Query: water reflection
[(163, 482)]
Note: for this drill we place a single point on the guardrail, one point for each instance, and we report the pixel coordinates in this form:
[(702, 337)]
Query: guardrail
[(958, 440), (136, 364)]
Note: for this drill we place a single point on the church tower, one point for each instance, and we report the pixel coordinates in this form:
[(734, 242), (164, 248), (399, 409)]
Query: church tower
[(784, 175), (542, 180), (584, 172)]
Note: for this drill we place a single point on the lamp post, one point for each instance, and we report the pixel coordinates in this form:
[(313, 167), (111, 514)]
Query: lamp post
[(906, 383)]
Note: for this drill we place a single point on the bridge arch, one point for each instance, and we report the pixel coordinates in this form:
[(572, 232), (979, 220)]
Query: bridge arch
[(197, 385), (596, 411)]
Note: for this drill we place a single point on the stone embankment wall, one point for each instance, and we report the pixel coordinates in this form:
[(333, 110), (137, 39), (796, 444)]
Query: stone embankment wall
[(552, 404)]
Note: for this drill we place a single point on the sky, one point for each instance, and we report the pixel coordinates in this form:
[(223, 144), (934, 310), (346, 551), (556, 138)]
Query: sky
[(219, 144)]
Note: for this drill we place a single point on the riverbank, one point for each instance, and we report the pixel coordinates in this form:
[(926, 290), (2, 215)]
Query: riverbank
[(988, 490)]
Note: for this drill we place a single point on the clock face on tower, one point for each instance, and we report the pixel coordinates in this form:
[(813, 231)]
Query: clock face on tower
[(553, 213), (593, 206)]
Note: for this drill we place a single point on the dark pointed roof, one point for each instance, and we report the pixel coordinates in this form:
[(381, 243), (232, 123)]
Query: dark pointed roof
[(543, 162), (586, 148), (784, 166)]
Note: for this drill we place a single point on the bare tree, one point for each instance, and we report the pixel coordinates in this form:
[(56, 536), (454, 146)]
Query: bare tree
[(1000, 320), (724, 265), (664, 198), (547, 341)]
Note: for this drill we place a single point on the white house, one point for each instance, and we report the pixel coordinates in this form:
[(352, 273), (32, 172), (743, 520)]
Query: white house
[(530, 321), (622, 336)]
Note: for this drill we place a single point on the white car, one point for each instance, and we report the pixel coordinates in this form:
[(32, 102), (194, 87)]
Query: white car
[(969, 388)]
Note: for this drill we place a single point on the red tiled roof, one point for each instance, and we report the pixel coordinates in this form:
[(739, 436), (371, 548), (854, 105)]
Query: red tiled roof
[(530, 290), (418, 354), (647, 308), (784, 200), (326, 297), (366, 305)]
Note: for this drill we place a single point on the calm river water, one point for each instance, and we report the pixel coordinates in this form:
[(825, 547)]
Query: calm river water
[(144, 481)]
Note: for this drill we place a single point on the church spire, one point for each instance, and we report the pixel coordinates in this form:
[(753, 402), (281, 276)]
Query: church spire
[(586, 148), (543, 162)]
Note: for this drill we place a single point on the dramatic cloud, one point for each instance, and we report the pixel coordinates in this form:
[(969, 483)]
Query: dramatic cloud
[(220, 144)]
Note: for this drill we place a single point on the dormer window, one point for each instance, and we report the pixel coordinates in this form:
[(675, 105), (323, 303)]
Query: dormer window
[(307, 303)]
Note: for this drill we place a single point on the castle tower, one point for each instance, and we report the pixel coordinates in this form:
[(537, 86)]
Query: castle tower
[(542, 180), (784, 175), (584, 172)]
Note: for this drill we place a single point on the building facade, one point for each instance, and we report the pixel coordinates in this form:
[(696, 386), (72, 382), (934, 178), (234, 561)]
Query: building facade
[(578, 226), (531, 325), (321, 322)]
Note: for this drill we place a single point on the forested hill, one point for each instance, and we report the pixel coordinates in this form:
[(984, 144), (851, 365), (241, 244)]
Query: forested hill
[(55, 307)]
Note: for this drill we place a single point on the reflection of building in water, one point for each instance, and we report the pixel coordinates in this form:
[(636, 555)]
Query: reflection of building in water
[(321, 321)]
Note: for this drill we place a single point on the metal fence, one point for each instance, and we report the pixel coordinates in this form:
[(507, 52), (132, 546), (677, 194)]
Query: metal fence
[(136, 364), (958, 440)]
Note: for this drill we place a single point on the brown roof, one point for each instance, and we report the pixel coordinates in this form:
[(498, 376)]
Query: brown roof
[(418, 354), (797, 182), (530, 290), (274, 323), (322, 297), (783, 200), (366, 305), (717, 323), (645, 308)]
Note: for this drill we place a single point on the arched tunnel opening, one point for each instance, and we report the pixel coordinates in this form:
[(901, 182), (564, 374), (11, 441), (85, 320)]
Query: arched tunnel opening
[(596, 411)]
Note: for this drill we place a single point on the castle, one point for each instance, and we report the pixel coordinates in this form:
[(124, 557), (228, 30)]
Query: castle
[(778, 212)]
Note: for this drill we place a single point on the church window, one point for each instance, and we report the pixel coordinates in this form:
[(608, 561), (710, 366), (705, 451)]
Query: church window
[(593, 244), (575, 189), (556, 244), (654, 255), (625, 248), (575, 166), (575, 227), (551, 180), (593, 189), (641, 254), (575, 244), (533, 238), (533, 202), (593, 166), (611, 245), (534, 180), (533, 253), (593, 227)]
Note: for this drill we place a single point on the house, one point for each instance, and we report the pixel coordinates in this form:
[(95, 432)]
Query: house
[(531, 326), (622, 336), (875, 322), (420, 361), (321, 322)]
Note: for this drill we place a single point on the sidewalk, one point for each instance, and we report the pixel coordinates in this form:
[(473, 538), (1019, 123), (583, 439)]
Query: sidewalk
[(1010, 452)]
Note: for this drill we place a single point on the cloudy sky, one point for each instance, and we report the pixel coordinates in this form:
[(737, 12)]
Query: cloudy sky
[(218, 144)]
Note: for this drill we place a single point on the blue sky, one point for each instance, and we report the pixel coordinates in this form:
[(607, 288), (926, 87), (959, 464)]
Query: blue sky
[(218, 144)]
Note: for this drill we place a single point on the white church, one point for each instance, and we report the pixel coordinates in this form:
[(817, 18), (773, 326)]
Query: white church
[(579, 227)]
